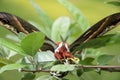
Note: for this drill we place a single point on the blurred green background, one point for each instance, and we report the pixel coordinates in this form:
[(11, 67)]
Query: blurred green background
[(94, 10)]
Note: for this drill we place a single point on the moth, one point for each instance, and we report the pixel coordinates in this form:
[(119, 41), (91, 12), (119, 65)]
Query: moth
[(61, 50)]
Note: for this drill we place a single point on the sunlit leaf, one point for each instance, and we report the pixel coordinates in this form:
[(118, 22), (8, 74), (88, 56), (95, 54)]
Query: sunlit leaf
[(76, 13), (43, 17), (104, 59), (49, 64), (40, 27), (60, 28), (45, 56), (21, 35), (5, 61), (32, 43), (12, 46), (74, 32), (63, 68), (11, 67)]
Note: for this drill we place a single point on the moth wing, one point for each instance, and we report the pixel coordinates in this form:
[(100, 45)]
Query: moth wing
[(15, 24), (101, 27)]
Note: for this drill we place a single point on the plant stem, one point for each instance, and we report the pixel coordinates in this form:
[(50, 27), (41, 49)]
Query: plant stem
[(105, 68)]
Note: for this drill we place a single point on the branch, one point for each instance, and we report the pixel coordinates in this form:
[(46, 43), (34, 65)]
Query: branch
[(105, 68), (34, 71)]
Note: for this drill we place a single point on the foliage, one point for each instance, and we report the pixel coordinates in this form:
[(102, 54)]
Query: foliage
[(44, 18), (115, 3), (32, 43), (33, 60), (76, 13), (103, 59)]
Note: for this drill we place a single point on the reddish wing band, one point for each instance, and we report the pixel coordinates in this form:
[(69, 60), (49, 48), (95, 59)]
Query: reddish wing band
[(16, 25), (97, 30)]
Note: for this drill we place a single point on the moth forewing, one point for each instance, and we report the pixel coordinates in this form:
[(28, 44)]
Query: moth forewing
[(16, 24), (97, 30)]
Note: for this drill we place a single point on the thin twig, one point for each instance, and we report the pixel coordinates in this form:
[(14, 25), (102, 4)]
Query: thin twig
[(105, 68), (89, 66), (34, 71)]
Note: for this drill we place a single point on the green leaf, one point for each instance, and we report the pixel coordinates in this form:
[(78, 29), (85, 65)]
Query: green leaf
[(87, 61), (12, 46), (43, 17), (49, 64), (104, 59), (41, 28), (64, 79), (45, 77), (6, 53), (115, 39), (60, 28), (45, 56), (79, 72), (5, 61), (97, 42), (32, 43), (115, 3), (21, 35), (94, 52), (76, 13), (63, 68), (74, 32), (11, 67), (28, 76)]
